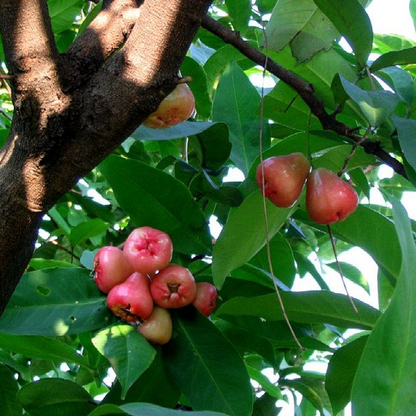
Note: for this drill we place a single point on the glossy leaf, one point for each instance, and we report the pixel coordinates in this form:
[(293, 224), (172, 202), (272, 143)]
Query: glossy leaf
[(55, 302), (375, 105), (145, 409), (402, 57), (388, 365), (156, 199), (128, 352), (304, 307), (244, 235), (9, 405), (341, 372), (406, 131), (63, 12), (55, 396), (193, 354), (88, 229), (236, 103), (401, 81), (41, 347), (353, 23), (185, 129), (240, 12)]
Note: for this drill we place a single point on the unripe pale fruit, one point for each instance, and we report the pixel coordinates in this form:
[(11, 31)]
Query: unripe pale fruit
[(131, 300), (206, 298), (148, 250), (284, 177), (329, 199), (158, 328), (177, 107), (173, 287), (110, 268)]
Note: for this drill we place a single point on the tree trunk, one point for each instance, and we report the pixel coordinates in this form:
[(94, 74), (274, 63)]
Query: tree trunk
[(70, 110)]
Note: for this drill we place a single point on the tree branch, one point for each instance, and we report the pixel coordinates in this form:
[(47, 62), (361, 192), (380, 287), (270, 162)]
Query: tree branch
[(304, 89)]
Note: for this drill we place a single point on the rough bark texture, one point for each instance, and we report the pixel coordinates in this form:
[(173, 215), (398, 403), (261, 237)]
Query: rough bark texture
[(71, 111)]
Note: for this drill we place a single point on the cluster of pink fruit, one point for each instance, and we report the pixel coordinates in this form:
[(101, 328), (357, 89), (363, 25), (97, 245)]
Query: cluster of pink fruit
[(329, 199), (142, 284)]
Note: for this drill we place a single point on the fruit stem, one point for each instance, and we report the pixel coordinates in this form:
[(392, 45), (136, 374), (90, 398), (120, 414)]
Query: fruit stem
[(266, 218), (331, 237)]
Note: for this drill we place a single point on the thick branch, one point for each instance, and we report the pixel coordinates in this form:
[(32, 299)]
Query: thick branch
[(303, 88), (105, 35)]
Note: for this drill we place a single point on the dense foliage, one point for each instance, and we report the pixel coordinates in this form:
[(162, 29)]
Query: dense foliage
[(63, 352)]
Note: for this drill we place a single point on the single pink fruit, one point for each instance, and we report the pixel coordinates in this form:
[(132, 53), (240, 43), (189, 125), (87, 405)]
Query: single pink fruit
[(131, 300), (158, 327), (148, 250), (177, 107), (329, 199), (110, 268), (173, 287), (284, 177), (206, 298)]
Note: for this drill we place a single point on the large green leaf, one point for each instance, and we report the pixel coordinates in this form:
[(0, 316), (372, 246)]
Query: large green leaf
[(41, 347), (63, 13), (406, 131), (236, 103), (304, 307), (341, 372), (55, 302), (88, 229), (154, 198), (244, 235), (388, 366), (127, 351), (207, 368), (401, 81), (375, 105), (9, 405), (353, 23), (240, 12), (55, 396), (402, 57), (144, 409)]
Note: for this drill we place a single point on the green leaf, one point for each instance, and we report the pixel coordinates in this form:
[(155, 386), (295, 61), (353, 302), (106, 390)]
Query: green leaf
[(401, 81), (55, 302), (148, 386), (107, 410), (156, 199), (9, 405), (127, 351), (388, 365), (236, 103), (412, 9), (145, 409), (63, 13), (88, 229), (41, 347), (341, 372), (402, 57), (266, 406), (368, 229), (244, 235), (185, 129), (313, 390), (351, 273), (194, 353), (264, 382), (353, 23), (54, 396), (304, 307), (375, 105), (240, 12), (406, 131)]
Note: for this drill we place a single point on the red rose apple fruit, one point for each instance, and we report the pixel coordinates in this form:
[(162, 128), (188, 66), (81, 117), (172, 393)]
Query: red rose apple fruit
[(177, 107), (329, 199), (173, 287), (148, 250), (131, 300), (110, 268), (158, 327), (284, 177), (206, 298)]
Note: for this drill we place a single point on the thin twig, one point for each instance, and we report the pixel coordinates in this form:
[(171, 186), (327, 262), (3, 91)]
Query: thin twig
[(334, 249)]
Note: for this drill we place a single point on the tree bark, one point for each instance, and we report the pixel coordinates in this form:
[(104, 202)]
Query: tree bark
[(70, 110)]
